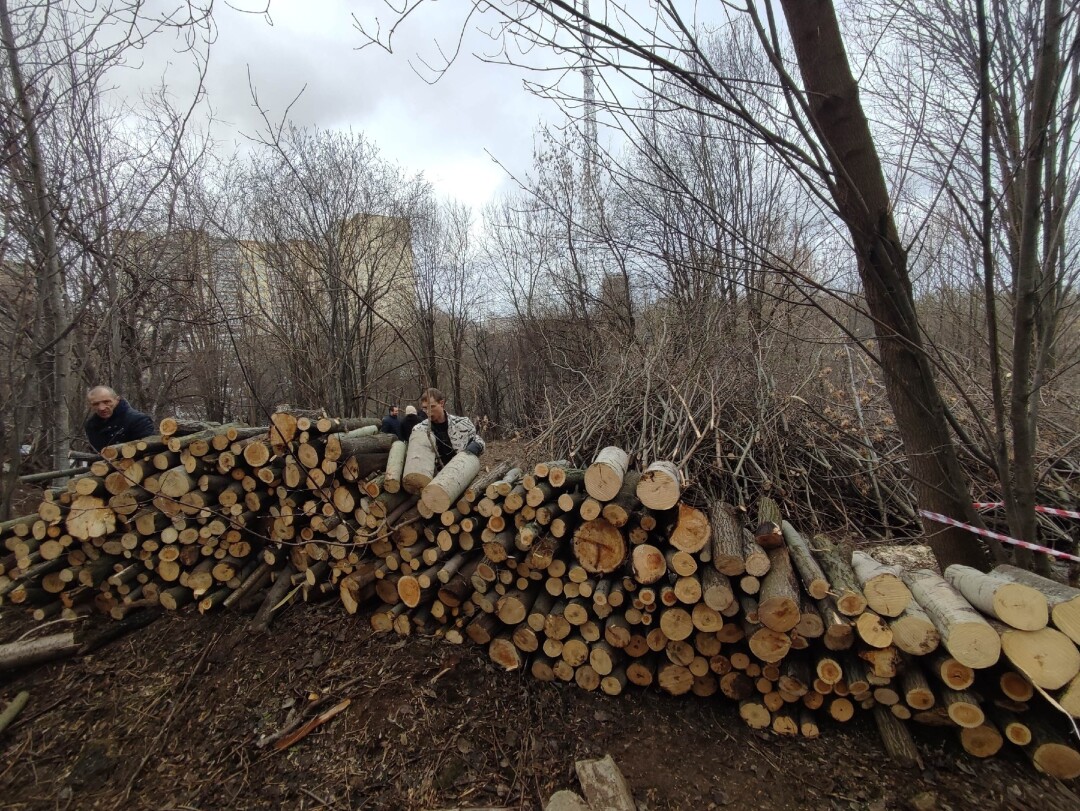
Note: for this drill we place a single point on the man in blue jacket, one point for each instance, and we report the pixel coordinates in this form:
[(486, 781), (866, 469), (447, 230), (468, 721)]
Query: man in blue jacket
[(113, 420)]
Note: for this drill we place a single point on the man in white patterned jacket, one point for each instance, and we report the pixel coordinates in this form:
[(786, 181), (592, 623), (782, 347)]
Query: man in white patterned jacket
[(450, 433)]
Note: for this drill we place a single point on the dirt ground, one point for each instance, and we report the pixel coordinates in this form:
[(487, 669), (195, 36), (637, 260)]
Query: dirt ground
[(171, 717)]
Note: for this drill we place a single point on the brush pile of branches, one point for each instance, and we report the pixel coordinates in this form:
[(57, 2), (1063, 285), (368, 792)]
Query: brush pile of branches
[(808, 425)]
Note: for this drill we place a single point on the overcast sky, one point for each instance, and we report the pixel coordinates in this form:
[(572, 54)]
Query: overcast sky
[(444, 130)]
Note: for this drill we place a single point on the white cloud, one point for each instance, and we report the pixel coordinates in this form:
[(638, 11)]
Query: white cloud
[(445, 129)]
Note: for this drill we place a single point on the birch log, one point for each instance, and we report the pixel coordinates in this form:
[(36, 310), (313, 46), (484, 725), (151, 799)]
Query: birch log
[(660, 486), (885, 592), (1064, 601), (604, 476), (395, 467), (1023, 607), (964, 632), (419, 468), (442, 491)]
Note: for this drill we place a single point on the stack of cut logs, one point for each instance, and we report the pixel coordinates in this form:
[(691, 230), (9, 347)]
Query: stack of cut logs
[(602, 576)]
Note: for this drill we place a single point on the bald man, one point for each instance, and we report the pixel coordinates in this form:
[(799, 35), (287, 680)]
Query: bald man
[(113, 420)]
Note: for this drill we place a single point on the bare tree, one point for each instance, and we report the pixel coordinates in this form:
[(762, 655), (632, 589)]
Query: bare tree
[(62, 166), (328, 224)]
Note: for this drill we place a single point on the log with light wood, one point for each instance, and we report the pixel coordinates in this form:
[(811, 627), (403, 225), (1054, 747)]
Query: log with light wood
[(1021, 606), (779, 599), (449, 483), (599, 547), (1047, 657), (965, 633), (604, 476), (660, 486), (914, 632), (881, 585), (419, 468), (1062, 600)]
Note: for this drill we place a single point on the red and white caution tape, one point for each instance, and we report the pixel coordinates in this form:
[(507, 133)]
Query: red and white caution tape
[(944, 519), (989, 505)]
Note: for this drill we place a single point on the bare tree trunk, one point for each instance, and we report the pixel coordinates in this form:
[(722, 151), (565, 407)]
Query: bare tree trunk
[(52, 341), (863, 200), (1027, 377)]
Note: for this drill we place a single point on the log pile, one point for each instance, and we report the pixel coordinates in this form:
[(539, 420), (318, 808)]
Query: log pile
[(604, 576)]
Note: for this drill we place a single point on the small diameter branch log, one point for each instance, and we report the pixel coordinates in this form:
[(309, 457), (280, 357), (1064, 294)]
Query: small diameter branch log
[(810, 573), (35, 651), (842, 582), (478, 487), (275, 595), (178, 443), (12, 710), (896, 737)]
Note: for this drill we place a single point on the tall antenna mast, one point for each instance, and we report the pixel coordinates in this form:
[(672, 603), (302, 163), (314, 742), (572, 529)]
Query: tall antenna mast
[(588, 78), (589, 199)]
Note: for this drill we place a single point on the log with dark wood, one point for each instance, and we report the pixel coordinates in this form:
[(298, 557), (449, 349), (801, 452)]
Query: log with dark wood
[(779, 599), (843, 584), (727, 541), (810, 573)]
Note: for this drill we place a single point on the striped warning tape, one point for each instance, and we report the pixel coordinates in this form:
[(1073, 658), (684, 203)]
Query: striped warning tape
[(989, 505), (944, 519)]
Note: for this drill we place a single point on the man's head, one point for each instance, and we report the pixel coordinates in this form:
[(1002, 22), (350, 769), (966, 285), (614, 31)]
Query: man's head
[(393, 411), (433, 402), (410, 411), (103, 401)]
